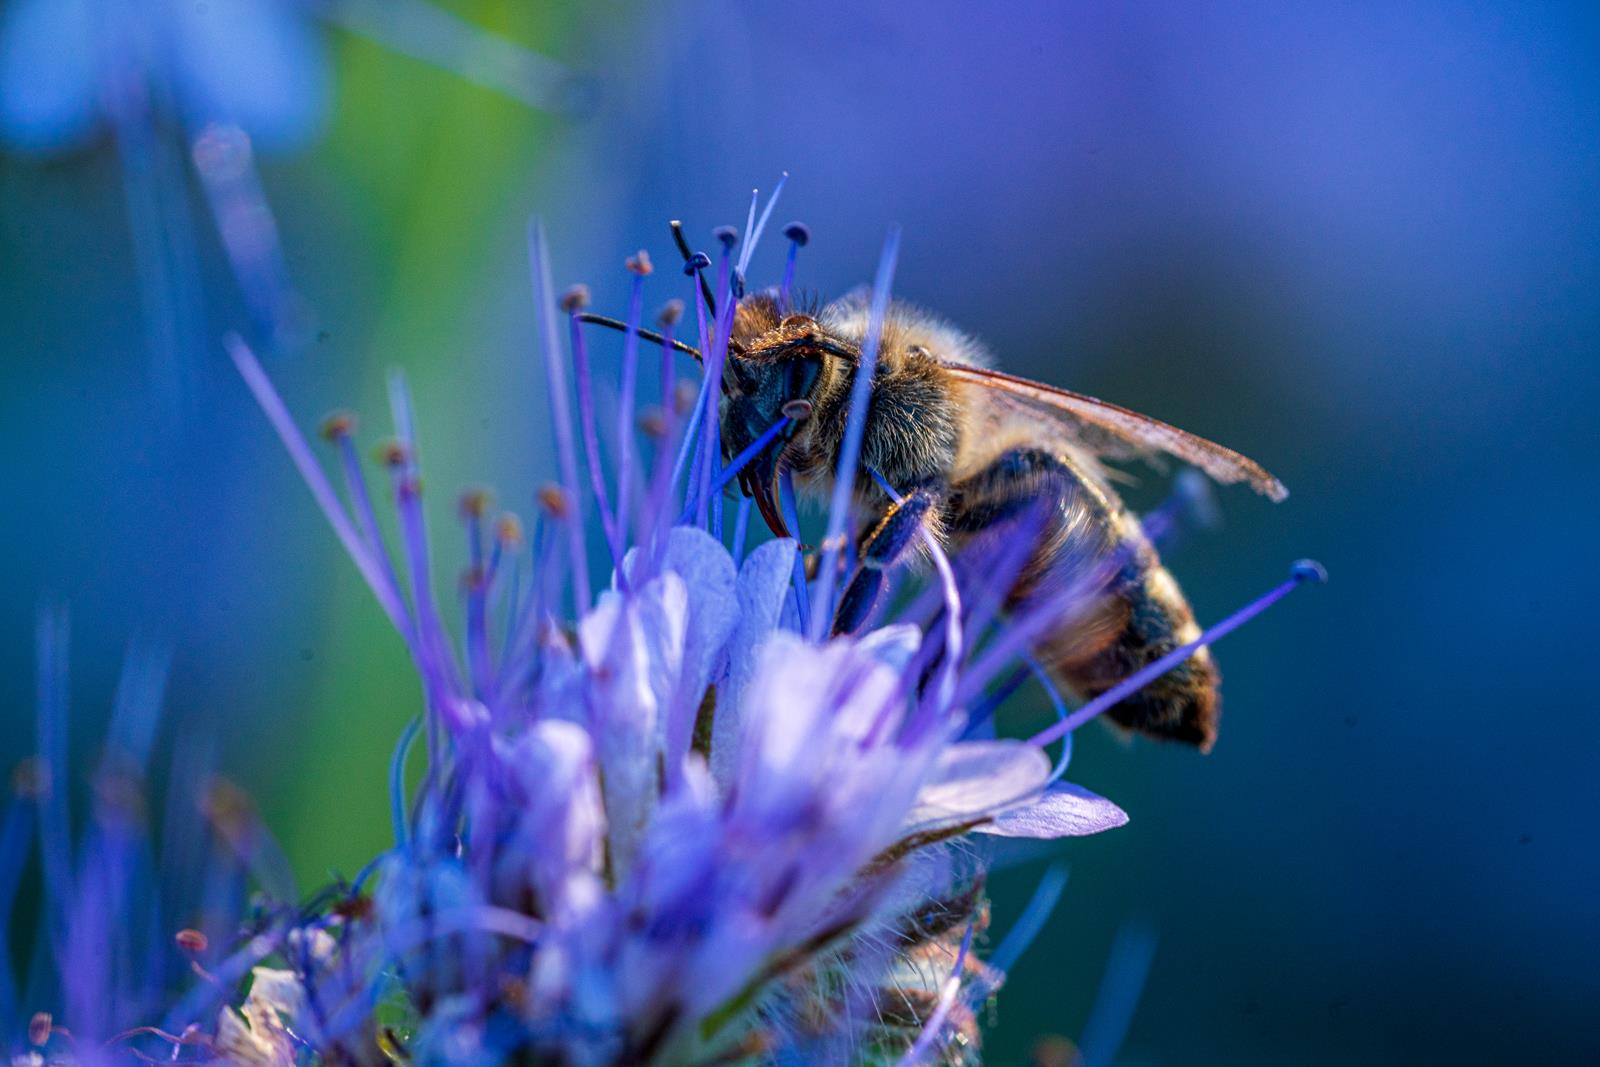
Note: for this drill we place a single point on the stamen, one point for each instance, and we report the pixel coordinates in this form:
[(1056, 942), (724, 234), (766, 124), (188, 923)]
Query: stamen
[(397, 780), (190, 941), (556, 397), (944, 693), (798, 236), (726, 236), (474, 505), (1303, 572), (574, 301), (741, 527), (693, 262), (639, 266), (305, 461), (750, 452), (1032, 919), (760, 226), (791, 519), (855, 429), (1120, 988)]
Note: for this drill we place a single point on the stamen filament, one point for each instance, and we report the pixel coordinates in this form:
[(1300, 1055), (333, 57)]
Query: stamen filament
[(1305, 571), (741, 527), (625, 403), (591, 440), (791, 519), (754, 232), (300, 453), (1032, 919), (749, 453), (560, 415), (855, 428)]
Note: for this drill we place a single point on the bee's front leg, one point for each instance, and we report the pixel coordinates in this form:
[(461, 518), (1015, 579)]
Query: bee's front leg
[(882, 547)]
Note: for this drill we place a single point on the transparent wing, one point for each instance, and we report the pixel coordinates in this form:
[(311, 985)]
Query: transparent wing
[(1113, 432)]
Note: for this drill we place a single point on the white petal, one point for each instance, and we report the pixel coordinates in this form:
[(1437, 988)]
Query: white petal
[(1065, 810), (975, 778)]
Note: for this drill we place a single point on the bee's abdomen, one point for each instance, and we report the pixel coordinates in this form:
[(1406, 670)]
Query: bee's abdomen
[(1126, 610), (1140, 618)]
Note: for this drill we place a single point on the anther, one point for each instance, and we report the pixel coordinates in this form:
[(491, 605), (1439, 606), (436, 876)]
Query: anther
[(639, 263), (687, 394), (575, 299), (671, 312), (192, 941), (339, 425), (653, 422), (508, 531), (227, 807), (727, 236), (736, 283), (696, 263), (798, 232), (474, 579), (393, 453), (797, 410), (553, 499), (474, 503), (39, 1028), (1308, 570)]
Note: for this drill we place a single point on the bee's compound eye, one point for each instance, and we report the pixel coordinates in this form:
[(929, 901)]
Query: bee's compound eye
[(920, 351), (797, 322)]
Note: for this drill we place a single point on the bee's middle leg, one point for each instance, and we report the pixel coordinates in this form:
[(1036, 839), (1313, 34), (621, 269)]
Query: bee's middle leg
[(884, 546)]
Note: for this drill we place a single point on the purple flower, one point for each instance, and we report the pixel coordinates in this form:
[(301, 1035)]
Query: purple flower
[(672, 825)]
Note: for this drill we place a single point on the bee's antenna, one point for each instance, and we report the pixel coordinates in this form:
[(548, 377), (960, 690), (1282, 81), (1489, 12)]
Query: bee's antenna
[(688, 258), (648, 335)]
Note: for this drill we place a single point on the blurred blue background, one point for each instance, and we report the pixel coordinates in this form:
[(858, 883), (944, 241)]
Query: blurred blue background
[(1360, 243)]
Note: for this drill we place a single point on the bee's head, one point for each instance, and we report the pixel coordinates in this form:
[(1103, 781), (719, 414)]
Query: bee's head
[(772, 386)]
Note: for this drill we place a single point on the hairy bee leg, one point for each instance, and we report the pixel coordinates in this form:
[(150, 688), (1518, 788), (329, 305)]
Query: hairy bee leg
[(884, 546)]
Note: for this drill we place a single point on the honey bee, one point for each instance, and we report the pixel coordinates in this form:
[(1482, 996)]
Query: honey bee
[(967, 448)]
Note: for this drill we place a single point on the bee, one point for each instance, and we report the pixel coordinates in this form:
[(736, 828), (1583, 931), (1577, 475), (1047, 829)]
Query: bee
[(969, 450)]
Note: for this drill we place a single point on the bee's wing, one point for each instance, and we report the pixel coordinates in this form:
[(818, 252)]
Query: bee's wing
[(1115, 432)]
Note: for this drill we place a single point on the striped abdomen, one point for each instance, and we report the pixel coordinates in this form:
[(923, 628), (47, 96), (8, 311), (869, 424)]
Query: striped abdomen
[(1131, 612)]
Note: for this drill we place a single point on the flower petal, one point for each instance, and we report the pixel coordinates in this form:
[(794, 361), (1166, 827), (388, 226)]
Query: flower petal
[(1065, 810), (709, 577), (975, 778), (763, 581)]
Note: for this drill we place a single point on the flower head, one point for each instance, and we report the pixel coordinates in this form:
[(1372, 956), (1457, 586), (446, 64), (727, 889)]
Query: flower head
[(673, 823)]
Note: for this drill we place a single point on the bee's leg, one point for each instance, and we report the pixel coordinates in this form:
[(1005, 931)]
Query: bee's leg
[(882, 547)]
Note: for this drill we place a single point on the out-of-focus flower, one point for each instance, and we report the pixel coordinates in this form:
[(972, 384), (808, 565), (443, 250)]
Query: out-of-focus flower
[(229, 78)]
